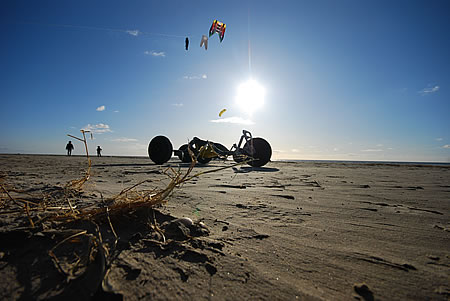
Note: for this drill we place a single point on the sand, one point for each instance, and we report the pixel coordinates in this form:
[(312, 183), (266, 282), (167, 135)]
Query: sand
[(287, 231)]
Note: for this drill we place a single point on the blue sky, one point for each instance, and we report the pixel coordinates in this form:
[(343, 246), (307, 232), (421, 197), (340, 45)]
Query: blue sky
[(343, 80)]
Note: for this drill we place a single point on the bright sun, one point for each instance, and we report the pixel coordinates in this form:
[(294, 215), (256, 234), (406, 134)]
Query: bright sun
[(250, 96)]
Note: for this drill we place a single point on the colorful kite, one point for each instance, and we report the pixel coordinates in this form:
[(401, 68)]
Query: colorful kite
[(221, 112), (204, 42), (186, 43), (218, 27)]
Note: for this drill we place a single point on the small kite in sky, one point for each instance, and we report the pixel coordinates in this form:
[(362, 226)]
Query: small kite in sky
[(218, 27), (221, 112), (204, 42), (186, 42)]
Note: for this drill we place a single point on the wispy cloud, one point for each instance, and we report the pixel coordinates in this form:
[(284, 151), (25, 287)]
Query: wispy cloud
[(372, 150), (294, 150), (98, 128), (101, 108), (236, 120), (154, 53), (446, 146), (116, 111), (124, 139), (177, 104), (439, 139), (133, 32), (429, 90), (190, 77)]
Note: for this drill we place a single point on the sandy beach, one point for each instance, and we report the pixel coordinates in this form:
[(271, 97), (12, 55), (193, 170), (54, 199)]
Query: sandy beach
[(286, 231)]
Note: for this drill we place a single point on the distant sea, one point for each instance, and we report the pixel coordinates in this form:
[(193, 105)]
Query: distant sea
[(368, 162)]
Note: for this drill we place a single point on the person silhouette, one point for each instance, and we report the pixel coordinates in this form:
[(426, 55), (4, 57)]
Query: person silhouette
[(69, 148), (99, 151)]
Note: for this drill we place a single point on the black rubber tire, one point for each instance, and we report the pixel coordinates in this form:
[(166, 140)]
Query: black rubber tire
[(202, 160), (239, 158), (184, 156), (260, 150), (160, 150)]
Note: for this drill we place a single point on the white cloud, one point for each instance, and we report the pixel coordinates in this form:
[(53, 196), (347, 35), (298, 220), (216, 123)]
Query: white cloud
[(116, 111), (98, 128), (123, 139), (439, 139), (379, 145), (236, 120), (294, 150), (101, 108), (133, 32), (190, 77), (177, 104), (446, 146), (372, 150), (154, 53), (335, 149), (430, 89)]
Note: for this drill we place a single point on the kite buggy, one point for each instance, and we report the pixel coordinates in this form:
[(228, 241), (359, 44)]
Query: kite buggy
[(255, 152)]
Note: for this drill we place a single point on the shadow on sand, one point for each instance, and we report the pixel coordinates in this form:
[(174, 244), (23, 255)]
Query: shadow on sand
[(246, 169)]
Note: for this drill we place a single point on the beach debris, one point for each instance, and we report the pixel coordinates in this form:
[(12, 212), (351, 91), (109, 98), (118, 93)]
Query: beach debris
[(185, 221), (363, 290), (177, 230)]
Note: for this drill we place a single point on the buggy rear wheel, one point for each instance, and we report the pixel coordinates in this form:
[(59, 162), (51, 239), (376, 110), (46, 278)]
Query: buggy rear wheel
[(160, 149), (259, 149)]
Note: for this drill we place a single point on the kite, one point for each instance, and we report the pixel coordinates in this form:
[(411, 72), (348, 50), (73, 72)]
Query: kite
[(218, 27), (204, 42), (186, 42), (221, 112)]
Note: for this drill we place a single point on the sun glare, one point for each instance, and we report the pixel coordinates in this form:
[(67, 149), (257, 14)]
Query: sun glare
[(250, 96)]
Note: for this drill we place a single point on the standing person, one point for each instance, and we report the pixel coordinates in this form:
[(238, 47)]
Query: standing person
[(69, 148), (99, 151)]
